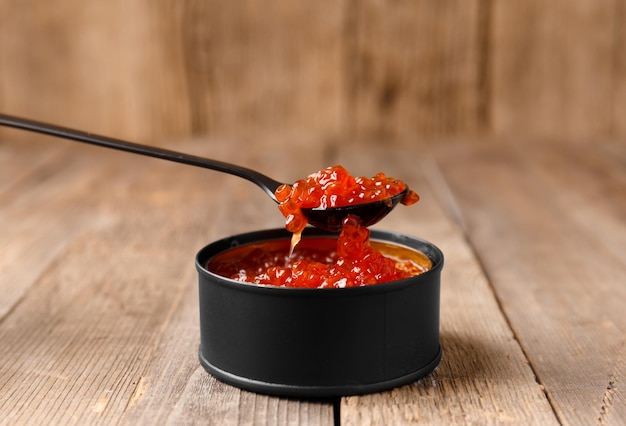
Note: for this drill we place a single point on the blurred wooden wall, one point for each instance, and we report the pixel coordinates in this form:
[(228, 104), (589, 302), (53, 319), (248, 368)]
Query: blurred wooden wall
[(386, 70)]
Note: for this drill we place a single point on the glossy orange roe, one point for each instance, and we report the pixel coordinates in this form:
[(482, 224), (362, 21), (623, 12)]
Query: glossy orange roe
[(354, 263), (335, 187)]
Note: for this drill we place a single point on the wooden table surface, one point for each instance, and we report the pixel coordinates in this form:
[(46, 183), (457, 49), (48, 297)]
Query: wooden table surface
[(98, 290)]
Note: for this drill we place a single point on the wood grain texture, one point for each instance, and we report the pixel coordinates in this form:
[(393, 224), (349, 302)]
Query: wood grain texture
[(619, 71), (556, 68), (79, 338), (254, 65), (105, 67), (98, 297), (385, 70), (549, 225), (41, 183), (415, 68), (148, 73)]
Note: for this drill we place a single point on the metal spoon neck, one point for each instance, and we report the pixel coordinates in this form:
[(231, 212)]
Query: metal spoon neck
[(266, 183)]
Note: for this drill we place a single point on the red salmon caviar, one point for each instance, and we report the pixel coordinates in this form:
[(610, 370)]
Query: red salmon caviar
[(350, 261), (335, 187)]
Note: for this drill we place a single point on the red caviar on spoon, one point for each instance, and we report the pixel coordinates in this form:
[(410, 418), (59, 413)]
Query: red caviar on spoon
[(334, 188)]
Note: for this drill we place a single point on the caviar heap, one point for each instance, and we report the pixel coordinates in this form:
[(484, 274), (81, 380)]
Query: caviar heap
[(335, 187), (349, 261)]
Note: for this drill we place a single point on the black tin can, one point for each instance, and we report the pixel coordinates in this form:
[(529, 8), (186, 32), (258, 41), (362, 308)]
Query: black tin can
[(299, 342)]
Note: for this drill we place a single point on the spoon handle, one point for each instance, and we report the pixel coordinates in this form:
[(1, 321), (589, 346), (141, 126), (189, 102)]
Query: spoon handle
[(264, 182)]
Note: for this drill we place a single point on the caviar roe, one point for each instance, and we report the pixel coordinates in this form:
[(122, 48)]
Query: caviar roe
[(351, 262), (335, 187), (348, 261)]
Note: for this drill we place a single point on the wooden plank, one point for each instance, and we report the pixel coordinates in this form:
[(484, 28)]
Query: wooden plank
[(109, 68), (484, 376), (18, 161), (73, 342), (415, 68), (554, 68), (36, 188), (618, 100), (149, 73), (396, 69), (548, 225), (275, 65)]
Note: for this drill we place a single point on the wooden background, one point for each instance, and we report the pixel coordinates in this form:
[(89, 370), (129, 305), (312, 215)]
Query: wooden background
[(401, 71)]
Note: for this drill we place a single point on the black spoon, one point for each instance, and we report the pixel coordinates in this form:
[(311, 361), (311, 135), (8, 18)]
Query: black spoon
[(329, 219)]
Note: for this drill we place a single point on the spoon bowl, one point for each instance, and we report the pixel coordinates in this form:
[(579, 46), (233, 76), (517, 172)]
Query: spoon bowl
[(328, 219), (331, 219)]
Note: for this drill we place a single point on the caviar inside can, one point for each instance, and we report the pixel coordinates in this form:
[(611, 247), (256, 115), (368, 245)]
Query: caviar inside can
[(315, 263)]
